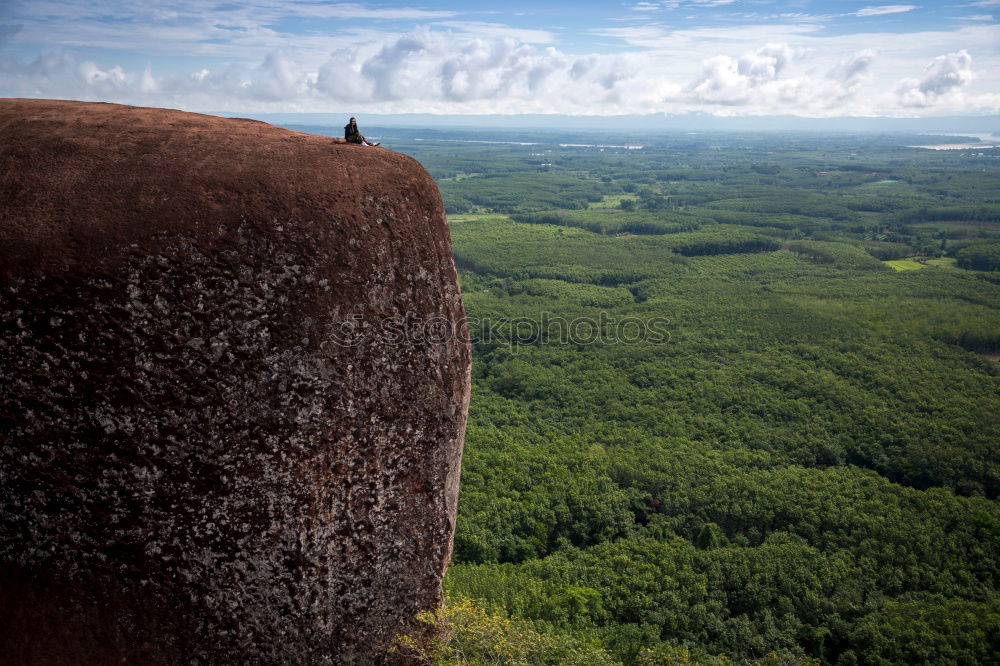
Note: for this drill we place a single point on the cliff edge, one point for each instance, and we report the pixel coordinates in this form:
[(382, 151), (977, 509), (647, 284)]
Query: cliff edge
[(234, 375)]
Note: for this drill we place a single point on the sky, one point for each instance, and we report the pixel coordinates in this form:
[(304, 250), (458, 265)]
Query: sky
[(807, 58)]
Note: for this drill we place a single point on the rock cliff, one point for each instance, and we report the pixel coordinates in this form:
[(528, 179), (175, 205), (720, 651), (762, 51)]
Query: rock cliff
[(234, 375)]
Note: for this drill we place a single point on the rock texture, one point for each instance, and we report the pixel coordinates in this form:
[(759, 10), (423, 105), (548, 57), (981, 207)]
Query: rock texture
[(233, 383)]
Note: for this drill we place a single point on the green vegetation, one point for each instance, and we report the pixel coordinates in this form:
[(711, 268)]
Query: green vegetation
[(520, 191), (803, 469), (983, 256), (841, 255), (941, 262), (463, 633), (905, 265), (611, 221)]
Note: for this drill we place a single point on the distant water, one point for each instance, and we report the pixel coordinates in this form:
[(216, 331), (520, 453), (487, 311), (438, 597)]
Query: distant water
[(985, 141), (529, 143), (597, 145), (510, 143)]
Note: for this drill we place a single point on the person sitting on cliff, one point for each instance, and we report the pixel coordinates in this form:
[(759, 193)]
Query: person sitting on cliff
[(353, 135)]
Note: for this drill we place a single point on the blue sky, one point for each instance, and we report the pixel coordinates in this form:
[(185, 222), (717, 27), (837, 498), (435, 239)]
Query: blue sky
[(724, 57)]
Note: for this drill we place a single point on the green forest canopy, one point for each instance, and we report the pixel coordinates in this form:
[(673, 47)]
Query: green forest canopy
[(805, 466)]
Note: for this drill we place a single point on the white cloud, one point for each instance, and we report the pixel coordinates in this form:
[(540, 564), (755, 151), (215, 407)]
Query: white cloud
[(147, 83), (54, 73), (340, 78), (483, 29), (755, 82), (802, 16), (849, 74), (884, 9), (423, 71), (444, 69), (346, 10), (106, 81), (942, 80), (852, 69), (277, 79), (727, 80), (697, 3), (232, 30), (689, 45), (435, 71), (455, 66), (646, 6), (976, 17)]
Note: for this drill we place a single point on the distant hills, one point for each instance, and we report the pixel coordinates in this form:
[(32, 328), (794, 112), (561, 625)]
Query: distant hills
[(974, 125)]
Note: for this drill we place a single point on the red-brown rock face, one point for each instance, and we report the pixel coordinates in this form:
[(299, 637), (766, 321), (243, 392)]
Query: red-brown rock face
[(233, 384)]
